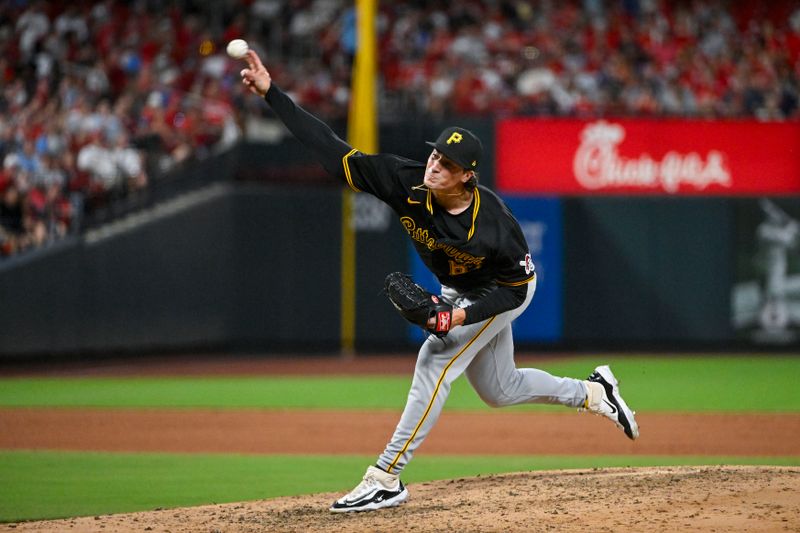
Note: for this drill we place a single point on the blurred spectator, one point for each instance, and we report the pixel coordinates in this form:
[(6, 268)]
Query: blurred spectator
[(700, 58), (129, 164), (95, 158), (85, 86)]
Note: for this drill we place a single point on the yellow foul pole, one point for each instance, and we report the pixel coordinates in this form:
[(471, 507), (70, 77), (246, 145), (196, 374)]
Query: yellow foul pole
[(362, 134)]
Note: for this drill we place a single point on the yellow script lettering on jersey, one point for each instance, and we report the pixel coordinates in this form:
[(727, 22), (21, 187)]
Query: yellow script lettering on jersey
[(460, 263)]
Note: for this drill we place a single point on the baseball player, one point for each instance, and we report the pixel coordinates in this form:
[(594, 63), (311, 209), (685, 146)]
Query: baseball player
[(470, 240)]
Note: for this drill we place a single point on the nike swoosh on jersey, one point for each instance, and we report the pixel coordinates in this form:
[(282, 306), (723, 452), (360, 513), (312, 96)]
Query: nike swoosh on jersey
[(412, 202)]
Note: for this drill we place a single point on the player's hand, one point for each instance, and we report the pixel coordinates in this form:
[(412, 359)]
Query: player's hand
[(458, 317), (256, 77)]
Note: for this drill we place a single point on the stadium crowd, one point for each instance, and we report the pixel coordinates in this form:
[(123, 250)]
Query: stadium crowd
[(99, 98)]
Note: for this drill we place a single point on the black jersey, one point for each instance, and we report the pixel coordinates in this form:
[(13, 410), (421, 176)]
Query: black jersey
[(476, 248), (480, 250)]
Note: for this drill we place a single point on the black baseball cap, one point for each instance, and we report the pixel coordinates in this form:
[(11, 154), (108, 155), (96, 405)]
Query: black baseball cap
[(460, 146)]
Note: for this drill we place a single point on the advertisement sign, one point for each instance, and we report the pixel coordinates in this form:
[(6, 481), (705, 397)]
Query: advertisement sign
[(540, 220), (673, 157), (765, 299)]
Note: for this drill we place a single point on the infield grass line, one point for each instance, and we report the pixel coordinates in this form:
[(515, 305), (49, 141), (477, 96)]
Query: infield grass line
[(38, 485)]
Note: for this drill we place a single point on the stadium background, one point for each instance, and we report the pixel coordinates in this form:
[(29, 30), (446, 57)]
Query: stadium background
[(213, 235)]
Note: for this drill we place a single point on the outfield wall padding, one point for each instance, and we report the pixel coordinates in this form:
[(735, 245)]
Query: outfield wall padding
[(647, 271)]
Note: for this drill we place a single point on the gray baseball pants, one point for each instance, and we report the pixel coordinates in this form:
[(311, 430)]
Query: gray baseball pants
[(485, 351)]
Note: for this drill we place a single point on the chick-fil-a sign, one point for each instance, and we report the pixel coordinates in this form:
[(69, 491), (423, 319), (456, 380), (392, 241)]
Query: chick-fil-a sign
[(647, 157)]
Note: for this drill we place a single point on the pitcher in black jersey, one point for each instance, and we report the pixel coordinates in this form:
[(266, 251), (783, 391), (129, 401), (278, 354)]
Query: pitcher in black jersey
[(470, 240)]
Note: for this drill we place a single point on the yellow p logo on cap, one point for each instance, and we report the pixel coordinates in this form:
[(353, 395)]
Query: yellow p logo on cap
[(455, 137)]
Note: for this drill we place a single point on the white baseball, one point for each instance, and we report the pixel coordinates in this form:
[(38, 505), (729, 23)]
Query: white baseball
[(237, 48)]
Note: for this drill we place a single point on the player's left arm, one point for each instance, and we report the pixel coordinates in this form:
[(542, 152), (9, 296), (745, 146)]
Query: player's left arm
[(500, 300), (497, 301), (514, 271)]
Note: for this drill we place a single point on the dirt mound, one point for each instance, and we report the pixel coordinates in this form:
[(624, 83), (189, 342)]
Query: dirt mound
[(731, 498)]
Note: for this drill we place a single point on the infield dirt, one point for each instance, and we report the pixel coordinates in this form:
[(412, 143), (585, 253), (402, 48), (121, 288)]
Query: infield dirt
[(720, 499)]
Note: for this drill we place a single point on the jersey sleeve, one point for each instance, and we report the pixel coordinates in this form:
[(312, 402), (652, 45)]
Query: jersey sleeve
[(513, 259), (377, 174), (514, 270), (328, 149), (498, 301)]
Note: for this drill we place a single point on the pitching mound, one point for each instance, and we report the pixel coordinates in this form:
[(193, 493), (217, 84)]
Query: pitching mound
[(733, 498)]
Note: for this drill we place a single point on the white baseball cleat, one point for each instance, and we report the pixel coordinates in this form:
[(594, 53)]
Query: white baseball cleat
[(603, 398), (378, 489)]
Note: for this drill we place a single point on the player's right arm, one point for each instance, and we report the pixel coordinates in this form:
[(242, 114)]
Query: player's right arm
[(317, 136), (372, 173)]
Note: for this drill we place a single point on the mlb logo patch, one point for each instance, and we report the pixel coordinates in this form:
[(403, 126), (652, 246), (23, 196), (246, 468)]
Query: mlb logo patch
[(527, 264)]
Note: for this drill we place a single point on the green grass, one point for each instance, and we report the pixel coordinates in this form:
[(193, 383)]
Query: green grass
[(756, 383), (45, 484), (40, 485), (698, 383)]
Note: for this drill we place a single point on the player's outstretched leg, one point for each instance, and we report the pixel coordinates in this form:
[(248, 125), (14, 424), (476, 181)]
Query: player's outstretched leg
[(377, 490), (603, 398)]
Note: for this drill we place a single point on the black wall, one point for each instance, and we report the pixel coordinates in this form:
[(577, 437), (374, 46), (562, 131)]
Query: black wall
[(252, 267), (139, 289), (647, 271)]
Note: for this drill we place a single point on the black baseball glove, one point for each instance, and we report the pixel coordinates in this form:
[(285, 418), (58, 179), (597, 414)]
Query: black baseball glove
[(417, 305)]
